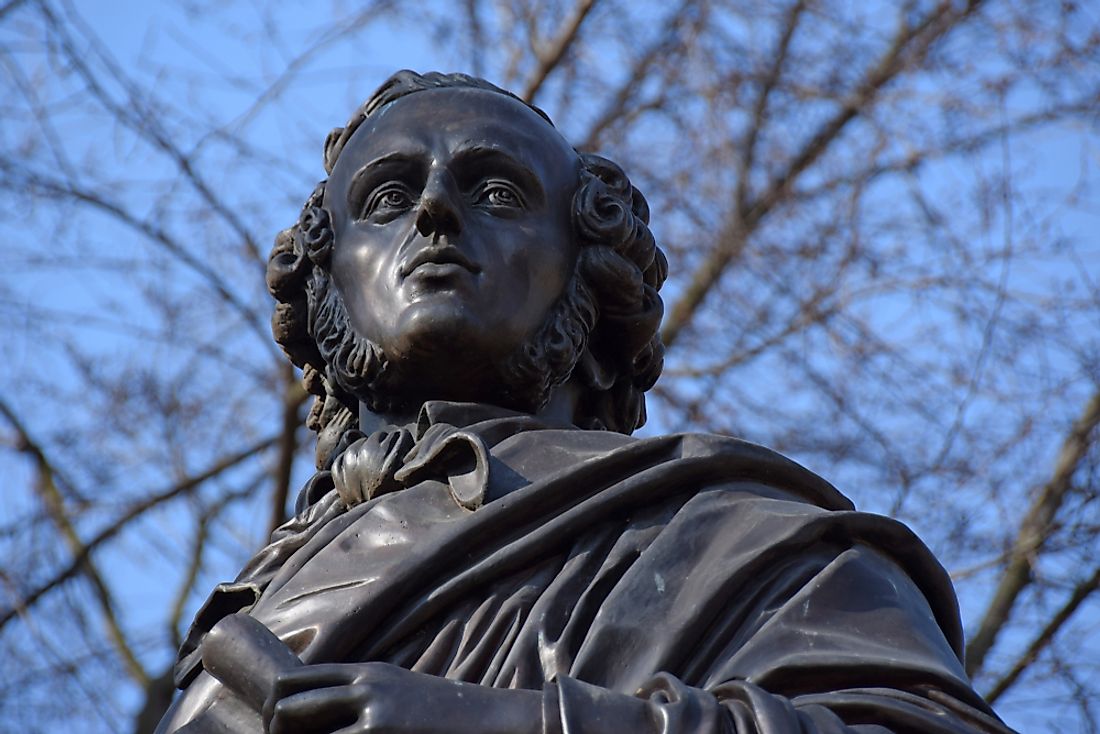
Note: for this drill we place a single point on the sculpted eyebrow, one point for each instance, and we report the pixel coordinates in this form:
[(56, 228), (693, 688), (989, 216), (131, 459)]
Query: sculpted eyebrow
[(410, 167), (416, 158), (477, 161)]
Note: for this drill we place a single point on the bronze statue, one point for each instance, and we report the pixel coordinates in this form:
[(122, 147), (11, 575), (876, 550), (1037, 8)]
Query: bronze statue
[(484, 548)]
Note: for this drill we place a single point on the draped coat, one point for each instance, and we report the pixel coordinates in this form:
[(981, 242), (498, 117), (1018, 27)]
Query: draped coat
[(725, 586)]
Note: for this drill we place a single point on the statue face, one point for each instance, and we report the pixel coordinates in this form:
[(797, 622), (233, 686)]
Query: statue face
[(451, 210)]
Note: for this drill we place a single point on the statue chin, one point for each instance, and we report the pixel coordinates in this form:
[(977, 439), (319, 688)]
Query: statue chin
[(522, 380)]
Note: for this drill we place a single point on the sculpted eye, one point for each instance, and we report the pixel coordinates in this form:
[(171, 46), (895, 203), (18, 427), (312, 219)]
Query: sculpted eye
[(388, 200), (498, 194)]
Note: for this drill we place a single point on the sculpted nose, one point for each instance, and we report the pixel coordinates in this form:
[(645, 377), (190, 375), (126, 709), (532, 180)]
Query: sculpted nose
[(438, 212)]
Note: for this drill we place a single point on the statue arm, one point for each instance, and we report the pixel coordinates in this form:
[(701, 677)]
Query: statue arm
[(666, 705), (854, 646), (378, 697)]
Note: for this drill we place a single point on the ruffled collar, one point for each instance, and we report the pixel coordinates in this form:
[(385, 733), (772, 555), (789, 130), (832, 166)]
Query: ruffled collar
[(448, 441)]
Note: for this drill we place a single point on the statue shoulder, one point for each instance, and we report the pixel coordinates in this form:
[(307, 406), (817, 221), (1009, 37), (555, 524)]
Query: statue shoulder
[(685, 460)]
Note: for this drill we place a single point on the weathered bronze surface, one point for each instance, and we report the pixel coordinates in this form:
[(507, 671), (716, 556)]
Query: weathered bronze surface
[(484, 548)]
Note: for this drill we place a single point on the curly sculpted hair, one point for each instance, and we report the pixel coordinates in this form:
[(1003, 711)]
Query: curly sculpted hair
[(603, 330)]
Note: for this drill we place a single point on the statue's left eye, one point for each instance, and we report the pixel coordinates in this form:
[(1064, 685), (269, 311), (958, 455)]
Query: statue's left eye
[(389, 197), (499, 194), (394, 199)]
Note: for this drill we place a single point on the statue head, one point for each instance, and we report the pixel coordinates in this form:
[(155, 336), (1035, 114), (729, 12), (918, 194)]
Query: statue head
[(462, 250)]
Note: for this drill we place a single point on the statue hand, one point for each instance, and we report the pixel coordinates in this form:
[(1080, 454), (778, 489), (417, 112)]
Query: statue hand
[(358, 698)]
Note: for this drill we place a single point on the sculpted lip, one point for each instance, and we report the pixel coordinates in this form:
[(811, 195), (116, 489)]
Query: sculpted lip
[(446, 255)]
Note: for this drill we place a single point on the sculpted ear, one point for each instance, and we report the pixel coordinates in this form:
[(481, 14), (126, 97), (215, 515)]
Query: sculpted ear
[(594, 373)]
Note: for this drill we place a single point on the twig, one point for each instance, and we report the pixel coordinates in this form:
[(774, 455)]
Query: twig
[(548, 60), (658, 50), (910, 43), (9, 6), (293, 397), (198, 546), (760, 109), (137, 510), (1034, 531), (135, 115), (55, 506), (70, 190), (1044, 638)]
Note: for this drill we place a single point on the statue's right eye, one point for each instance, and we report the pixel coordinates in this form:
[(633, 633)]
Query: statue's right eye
[(387, 201)]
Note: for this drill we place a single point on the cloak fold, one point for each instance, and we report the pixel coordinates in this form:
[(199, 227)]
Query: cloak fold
[(688, 583)]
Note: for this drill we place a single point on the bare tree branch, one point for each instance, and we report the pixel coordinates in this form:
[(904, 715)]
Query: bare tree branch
[(914, 159), (624, 96), (198, 546), (1080, 593), (138, 116), (552, 56), (9, 6), (477, 36), (1034, 531), (29, 599), (301, 61), (293, 397), (18, 176), (759, 111), (910, 43), (55, 506)]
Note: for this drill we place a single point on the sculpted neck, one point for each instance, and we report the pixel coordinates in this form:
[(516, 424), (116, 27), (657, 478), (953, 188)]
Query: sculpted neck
[(560, 409)]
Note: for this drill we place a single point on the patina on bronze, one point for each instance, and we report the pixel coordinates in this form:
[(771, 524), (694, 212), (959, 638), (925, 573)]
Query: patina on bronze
[(484, 548)]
